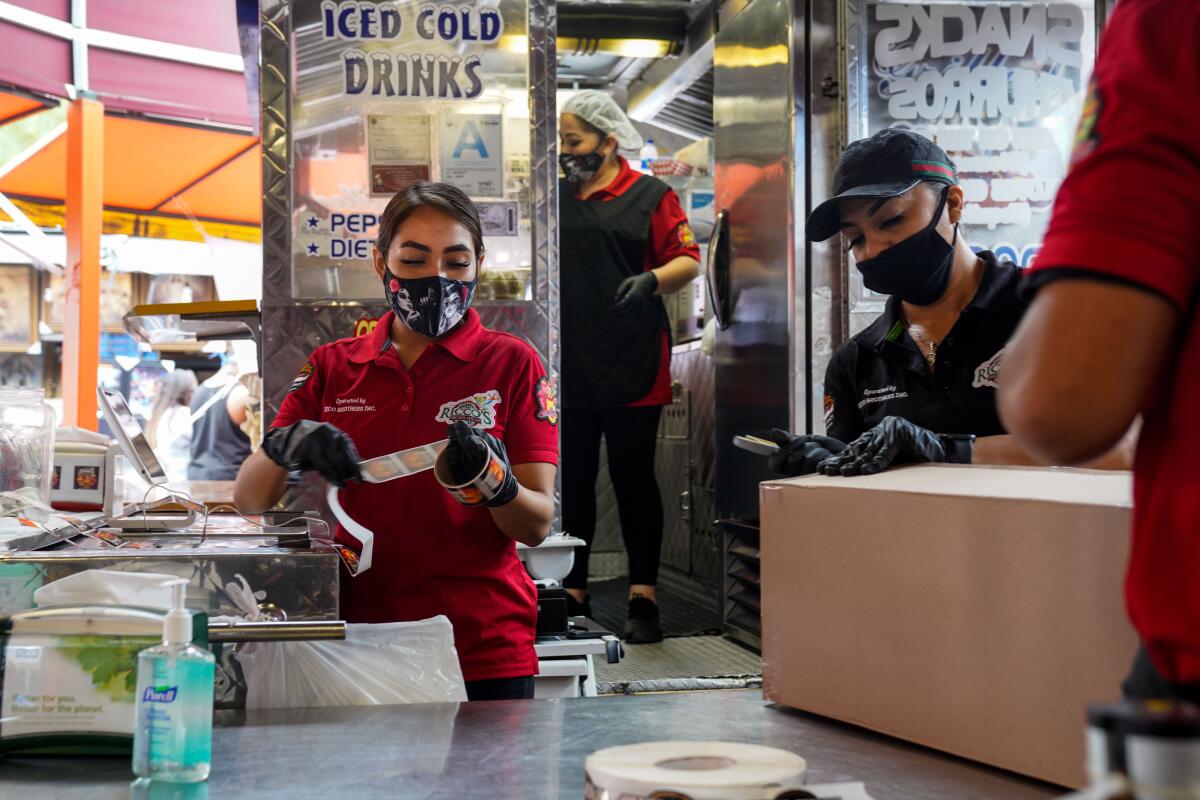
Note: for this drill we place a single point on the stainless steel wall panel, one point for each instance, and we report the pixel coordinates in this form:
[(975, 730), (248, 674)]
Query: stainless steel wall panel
[(673, 469), (755, 184), (696, 371), (275, 90), (799, 279), (827, 56)]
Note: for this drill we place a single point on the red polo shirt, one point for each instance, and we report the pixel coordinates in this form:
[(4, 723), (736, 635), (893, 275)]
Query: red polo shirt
[(433, 555), (670, 238), (1127, 212)]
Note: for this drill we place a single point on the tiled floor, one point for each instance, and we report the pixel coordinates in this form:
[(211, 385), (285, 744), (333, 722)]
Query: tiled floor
[(680, 615), (681, 664), (694, 655)]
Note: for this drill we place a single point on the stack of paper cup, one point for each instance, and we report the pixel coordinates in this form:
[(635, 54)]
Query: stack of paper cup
[(694, 771)]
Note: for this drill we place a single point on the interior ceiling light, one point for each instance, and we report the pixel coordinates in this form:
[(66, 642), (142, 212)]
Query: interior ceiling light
[(625, 48)]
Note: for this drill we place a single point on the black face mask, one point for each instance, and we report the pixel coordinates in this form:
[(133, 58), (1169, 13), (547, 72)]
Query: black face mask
[(429, 306), (917, 270), (580, 168)]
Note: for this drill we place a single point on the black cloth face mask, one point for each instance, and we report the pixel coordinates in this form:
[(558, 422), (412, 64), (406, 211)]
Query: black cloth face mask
[(429, 306), (580, 168), (917, 270)]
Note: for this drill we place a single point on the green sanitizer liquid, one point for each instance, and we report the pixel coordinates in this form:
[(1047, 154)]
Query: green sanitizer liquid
[(172, 740)]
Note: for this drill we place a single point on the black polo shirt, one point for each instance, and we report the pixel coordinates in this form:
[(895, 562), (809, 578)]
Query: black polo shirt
[(880, 372)]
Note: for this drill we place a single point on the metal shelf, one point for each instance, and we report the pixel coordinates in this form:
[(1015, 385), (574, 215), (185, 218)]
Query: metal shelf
[(169, 324)]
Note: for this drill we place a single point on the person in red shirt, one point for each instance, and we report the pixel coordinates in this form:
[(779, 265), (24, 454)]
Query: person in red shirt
[(1113, 330), (430, 370), (624, 241)]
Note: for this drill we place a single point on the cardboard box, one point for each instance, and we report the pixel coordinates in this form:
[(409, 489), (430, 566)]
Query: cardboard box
[(976, 610)]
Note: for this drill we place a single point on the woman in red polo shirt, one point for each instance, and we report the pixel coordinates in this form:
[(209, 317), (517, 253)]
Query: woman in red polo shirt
[(429, 371), (624, 242)]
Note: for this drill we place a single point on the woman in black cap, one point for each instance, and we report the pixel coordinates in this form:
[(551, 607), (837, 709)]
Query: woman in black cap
[(919, 383)]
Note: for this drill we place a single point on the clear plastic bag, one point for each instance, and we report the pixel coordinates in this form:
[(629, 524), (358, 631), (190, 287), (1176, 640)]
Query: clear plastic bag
[(386, 664)]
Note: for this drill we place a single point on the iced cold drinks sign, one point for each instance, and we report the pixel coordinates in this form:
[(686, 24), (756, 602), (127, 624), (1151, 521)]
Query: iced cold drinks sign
[(391, 92), (996, 85), (411, 73)]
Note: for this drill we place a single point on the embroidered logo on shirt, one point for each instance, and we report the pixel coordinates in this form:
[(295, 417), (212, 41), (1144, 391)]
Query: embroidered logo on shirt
[(686, 237), (546, 394), (1087, 137), (881, 395), (987, 373), (828, 411), (349, 405), (302, 376), (478, 410)]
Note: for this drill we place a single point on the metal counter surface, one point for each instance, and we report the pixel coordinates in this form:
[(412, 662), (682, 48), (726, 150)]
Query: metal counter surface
[(515, 749)]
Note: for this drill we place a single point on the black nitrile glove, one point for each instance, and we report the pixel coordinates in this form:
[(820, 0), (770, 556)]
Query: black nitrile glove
[(635, 293), (318, 446), (467, 453), (800, 455), (896, 440)]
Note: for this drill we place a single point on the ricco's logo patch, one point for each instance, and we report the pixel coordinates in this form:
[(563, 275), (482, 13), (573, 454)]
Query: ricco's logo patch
[(546, 394), (987, 373), (478, 410)]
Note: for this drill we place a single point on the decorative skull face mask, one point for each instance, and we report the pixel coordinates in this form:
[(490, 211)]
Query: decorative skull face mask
[(429, 306)]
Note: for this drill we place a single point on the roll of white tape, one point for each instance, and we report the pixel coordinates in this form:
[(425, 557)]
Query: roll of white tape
[(694, 771)]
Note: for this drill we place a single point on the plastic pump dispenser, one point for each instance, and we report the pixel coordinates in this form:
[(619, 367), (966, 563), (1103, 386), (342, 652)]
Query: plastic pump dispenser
[(173, 737), (178, 627)]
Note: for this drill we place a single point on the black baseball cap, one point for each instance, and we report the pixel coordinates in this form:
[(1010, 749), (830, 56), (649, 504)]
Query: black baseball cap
[(885, 165)]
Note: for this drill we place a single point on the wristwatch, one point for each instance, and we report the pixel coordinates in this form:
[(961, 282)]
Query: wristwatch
[(958, 447)]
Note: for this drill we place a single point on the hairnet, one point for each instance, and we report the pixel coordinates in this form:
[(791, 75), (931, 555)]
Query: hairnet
[(600, 110)]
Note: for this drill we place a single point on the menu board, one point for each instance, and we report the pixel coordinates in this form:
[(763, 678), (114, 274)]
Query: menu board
[(999, 86)]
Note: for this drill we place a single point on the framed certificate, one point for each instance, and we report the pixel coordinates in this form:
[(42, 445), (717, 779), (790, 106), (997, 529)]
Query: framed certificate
[(18, 308)]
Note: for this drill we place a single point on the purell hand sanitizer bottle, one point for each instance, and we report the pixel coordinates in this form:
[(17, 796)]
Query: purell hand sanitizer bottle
[(173, 738)]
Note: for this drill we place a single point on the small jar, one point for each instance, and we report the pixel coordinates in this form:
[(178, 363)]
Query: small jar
[(27, 425)]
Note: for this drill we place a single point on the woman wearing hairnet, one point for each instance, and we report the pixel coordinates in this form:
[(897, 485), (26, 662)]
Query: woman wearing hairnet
[(624, 242)]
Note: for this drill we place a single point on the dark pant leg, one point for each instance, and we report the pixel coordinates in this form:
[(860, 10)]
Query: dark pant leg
[(1145, 682), (631, 436), (580, 462), (501, 689)]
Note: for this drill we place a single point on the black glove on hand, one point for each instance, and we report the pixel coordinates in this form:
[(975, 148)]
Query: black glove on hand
[(310, 445), (800, 455), (635, 293), (467, 453), (896, 440)]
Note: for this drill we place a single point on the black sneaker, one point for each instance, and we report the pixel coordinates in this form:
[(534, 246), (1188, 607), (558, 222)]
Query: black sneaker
[(578, 609), (642, 625)]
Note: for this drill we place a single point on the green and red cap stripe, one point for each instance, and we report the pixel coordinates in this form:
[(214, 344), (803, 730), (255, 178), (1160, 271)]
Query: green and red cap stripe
[(886, 164), (928, 169)]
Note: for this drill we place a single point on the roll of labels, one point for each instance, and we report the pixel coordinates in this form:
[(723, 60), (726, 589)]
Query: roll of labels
[(1148, 750), (386, 468), (705, 771), (402, 463)]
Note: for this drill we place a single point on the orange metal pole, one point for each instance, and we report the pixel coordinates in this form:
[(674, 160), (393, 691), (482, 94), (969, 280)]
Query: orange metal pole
[(85, 210)]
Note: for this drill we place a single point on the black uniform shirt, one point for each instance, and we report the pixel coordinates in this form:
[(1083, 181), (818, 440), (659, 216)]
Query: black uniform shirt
[(880, 372)]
